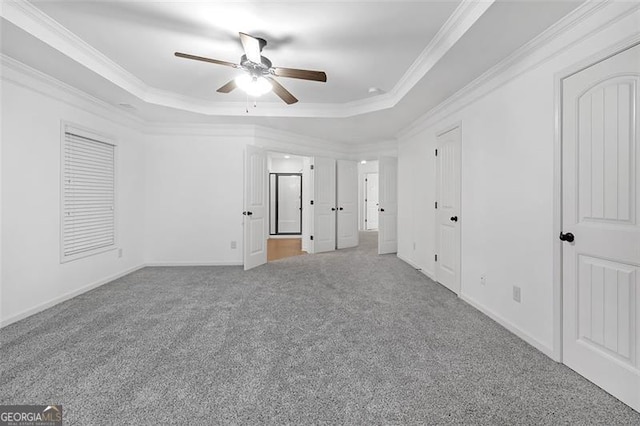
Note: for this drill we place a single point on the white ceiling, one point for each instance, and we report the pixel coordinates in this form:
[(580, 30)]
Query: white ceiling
[(354, 43), (398, 46)]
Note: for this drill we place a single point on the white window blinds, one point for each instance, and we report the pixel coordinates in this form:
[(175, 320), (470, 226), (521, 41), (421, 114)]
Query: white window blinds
[(88, 195)]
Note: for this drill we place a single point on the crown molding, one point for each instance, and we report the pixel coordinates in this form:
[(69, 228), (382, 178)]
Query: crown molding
[(284, 141), (227, 131), (522, 60), (29, 18), (25, 76), (462, 19), (17, 73), (40, 25)]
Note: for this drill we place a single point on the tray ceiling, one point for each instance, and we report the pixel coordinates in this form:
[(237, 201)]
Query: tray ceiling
[(418, 52)]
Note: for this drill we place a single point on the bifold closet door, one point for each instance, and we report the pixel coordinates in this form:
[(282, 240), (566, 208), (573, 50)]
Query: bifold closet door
[(324, 205), (347, 204)]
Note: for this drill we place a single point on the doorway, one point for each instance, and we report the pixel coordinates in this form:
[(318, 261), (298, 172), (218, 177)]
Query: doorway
[(288, 181), (285, 203)]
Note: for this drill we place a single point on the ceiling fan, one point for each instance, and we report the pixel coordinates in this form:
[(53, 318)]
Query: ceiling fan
[(259, 71)]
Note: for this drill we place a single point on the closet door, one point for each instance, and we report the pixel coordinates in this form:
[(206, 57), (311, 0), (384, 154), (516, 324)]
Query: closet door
[(448, 162), (347, 204), (388, 210), (255, 207), (601, 224), (324, 205)]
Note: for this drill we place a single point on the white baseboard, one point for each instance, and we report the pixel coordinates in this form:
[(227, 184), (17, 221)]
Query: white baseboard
[(429, 274), (41, 307), (285, 237), (186, 263), (548, 351)]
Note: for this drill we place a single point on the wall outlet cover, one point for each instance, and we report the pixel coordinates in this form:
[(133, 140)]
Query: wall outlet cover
[(234, 245), (483, 279), (516, 293)]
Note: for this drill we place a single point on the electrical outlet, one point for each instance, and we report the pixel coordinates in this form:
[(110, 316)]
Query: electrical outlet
[(483, 279), (516, 293), (119, 252), (234, 245)]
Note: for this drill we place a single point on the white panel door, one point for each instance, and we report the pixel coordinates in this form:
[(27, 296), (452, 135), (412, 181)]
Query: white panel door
[(371, 201), (324, 204), (255, 207), (601, 202), (307, 192), (347, 204), (447, 262), (388, 209), (289, 204)]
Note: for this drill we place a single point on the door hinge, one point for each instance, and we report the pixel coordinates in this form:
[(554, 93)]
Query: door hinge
[(311, 237), (436, 257), (311, 202), (436, 152), (436, 204), (312, 167)]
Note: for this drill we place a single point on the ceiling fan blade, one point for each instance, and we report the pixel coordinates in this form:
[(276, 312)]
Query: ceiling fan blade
[(282, 93), (203, 59), (228, 87), (251, 47), (301, 74)]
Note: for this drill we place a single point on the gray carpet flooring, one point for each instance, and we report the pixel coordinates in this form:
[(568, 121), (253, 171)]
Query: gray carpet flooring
[(344, 337)]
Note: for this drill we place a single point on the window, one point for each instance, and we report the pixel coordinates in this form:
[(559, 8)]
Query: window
[(88, 194)]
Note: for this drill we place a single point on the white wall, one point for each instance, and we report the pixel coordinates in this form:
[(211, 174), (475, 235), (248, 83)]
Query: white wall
[(180, 190), (32, 276), (507, 184), (194, 199), (284, 165)]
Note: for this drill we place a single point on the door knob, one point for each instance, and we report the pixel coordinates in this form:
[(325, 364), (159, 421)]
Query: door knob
[(454, 218), (247, 213), (333, 209), (340, 209), (381, 210), (568, 237)]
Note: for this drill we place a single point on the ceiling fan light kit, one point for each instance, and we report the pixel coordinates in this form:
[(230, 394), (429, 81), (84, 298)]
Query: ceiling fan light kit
[(259, 72), (253, 85)]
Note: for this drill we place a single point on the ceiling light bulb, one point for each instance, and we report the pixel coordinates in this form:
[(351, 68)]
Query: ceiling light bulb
[(252, 85), (363, 162), (287, 156)]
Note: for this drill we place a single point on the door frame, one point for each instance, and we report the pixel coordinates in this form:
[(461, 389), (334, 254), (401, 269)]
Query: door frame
[(442, 131), (277, 202), (558, 79)]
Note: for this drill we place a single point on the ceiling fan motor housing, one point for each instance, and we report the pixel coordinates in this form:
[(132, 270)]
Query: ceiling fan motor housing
[(254, 68)]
